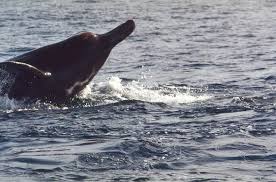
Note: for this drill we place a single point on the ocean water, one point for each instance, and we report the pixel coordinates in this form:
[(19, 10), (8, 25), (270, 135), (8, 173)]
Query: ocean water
[(189, 96)]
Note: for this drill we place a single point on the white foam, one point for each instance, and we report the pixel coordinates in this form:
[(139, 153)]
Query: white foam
[(137, 91), (115, 90), (8, 104)]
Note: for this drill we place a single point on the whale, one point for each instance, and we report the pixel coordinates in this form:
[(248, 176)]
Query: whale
[(58, 72)]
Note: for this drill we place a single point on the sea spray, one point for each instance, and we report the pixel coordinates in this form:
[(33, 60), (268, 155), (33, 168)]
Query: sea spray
[(112, 91), (115, 89)]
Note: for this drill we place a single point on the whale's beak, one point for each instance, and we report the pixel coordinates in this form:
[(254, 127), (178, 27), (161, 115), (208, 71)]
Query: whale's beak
[(118, 34)]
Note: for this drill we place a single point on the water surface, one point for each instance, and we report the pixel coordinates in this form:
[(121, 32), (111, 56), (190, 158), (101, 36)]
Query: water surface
[(190, 96)]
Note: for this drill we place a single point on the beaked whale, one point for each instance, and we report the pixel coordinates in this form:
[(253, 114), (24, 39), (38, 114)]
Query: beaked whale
[(59, 71)]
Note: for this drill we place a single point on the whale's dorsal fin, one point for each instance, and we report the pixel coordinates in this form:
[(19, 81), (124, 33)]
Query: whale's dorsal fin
[(14, 68)]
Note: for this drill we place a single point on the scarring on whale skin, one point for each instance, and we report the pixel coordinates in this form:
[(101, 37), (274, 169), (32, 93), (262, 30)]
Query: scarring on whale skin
[(59, 71)]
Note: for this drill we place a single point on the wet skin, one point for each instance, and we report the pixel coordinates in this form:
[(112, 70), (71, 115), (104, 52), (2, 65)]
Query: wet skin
[(59, 71)]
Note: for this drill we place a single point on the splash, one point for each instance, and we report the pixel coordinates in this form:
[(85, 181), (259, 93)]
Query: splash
[(112, 91), (116, 90), (6, 81), (9, 105)]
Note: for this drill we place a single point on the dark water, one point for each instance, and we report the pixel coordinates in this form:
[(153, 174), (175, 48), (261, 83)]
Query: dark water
[(190, 96)]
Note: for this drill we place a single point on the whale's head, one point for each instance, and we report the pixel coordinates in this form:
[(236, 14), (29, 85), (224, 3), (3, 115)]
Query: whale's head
[(95, 48), (84, 54)]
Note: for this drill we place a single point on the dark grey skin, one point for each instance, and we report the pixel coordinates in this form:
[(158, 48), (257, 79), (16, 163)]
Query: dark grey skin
[(59, 71)]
